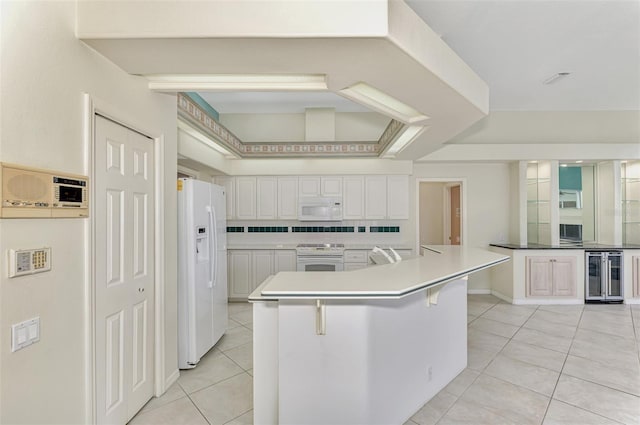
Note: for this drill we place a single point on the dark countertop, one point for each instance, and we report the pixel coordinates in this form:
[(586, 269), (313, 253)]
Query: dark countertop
[(585, 246)]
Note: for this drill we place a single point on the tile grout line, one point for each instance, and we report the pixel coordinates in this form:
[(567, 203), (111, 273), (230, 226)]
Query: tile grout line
[(562, 368), (550, 397), (481, 372)]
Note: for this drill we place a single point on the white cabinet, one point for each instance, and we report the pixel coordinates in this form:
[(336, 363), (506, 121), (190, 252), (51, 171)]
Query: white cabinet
[(276, 198), (309, 186), (249, 268), (551, 276), (331, 186), (287, 198), (267, 198), (284, 261), (353, 202), (355, 259), (387, 197), (397, 197), (375, 197), (635, 263), (240, 274), (229, 184), (245, 198), (262, 263), (320, 186)]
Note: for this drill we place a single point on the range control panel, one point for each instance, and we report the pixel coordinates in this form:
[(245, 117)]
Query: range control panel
[(29, 261)]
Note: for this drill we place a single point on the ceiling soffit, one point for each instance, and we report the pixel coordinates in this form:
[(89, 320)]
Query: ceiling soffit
[(196, 116), (382, 43)]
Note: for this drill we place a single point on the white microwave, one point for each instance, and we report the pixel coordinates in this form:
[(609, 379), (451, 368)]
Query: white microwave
[(320, 209)]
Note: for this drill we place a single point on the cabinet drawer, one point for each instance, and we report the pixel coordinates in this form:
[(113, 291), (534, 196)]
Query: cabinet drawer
[(356, 256)]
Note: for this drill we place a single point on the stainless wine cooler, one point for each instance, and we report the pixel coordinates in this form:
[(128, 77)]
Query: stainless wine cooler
[(604, 276)]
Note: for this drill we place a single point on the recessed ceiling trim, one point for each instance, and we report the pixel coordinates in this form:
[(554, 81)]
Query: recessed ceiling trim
[(195, 116), (383, 103), (198, 135), (404, 139), (237, 82)]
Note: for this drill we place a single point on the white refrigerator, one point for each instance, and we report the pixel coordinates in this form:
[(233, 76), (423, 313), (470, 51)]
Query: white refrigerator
[(202, 269)]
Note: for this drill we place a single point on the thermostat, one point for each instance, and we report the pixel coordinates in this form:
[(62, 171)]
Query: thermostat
[(29, 261)]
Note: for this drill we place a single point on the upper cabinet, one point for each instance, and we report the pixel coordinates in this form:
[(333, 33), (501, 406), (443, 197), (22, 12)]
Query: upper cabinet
[(630, 185), (353, 201), (372, 197), (245, 198), (229, 184), (320, 186), (387, 197), (573, 202), (375, 197), (309, 186), (398, 197), (267, 200), (331, 186), (288, 198)]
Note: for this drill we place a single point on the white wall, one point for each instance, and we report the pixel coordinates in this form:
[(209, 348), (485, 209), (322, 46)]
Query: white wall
[(487, 189), (349, 126), (431, 213), (44, 72)]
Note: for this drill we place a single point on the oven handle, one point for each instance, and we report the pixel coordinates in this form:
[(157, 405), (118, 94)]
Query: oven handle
[(307, 259)]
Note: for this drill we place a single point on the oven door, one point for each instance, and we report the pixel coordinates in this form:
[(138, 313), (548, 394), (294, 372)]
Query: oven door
[(320, 264)]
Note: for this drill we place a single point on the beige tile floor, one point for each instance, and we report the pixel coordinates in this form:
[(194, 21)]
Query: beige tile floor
[(546, 365)]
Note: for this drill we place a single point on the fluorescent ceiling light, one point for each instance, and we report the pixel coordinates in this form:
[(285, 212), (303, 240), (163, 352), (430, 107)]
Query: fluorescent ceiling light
[(204, 139), (409, 134), (564, 165), (556, 77), (579, 162), (236, 82), (383, 103)]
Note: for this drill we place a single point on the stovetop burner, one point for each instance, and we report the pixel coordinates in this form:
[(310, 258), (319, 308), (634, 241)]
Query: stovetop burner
[(316, 249)]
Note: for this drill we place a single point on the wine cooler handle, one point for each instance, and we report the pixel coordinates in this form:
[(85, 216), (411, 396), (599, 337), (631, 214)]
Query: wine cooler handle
[(609, 278)]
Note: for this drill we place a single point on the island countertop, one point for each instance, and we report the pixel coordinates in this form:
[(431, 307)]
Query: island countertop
[(587, 246), (387, 281)]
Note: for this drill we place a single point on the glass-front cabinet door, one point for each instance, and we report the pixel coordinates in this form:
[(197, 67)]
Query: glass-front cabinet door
[(614, 275), (594, 275)]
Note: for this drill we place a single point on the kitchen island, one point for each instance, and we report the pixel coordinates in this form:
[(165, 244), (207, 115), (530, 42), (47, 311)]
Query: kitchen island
[(369, 346)]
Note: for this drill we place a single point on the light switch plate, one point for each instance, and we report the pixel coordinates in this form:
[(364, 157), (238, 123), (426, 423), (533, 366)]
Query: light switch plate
[(25, 333)]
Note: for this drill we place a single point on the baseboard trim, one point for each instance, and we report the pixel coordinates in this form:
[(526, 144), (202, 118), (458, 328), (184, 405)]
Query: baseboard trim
[(632, 301), (502, 297), (542, 301), (171, 379), (479, 291)]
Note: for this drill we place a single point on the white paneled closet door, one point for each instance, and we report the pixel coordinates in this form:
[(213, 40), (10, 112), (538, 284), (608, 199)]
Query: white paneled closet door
[(124, 265)]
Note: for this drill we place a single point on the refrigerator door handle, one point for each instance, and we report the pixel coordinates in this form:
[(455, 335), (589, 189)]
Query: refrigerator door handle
[(212, 247)]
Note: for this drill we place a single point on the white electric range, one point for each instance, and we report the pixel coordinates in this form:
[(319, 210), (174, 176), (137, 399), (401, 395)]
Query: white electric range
[(320, 257)]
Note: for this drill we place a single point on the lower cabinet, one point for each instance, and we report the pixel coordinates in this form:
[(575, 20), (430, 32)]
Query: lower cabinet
[(635, 261), (355, 259), (551, 276), (247, 269)]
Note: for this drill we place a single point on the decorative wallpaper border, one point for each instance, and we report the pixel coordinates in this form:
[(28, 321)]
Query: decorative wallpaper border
[(195, 115)]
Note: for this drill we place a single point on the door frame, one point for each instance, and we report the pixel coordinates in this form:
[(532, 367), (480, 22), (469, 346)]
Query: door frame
[(92, 106), (462, 181), (446, 226)]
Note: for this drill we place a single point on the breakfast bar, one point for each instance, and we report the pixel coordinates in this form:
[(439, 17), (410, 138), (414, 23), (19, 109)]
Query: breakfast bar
[(365, 346)]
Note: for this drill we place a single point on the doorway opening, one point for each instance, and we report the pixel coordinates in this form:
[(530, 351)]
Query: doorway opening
[(441, 212)]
